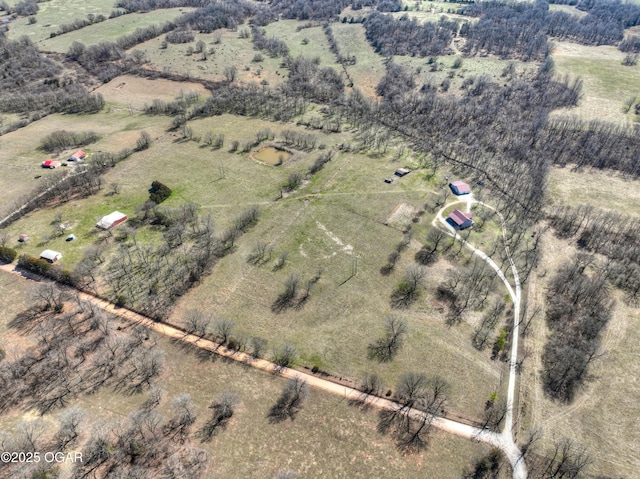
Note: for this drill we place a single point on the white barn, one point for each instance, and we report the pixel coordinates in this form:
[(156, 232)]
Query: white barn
[(111, 220), (50, 255)]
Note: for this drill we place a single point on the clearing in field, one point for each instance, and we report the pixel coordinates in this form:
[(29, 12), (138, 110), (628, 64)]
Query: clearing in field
[(607, 82), (110, 29), (602, 189), (53, 13), (136, 92), (223, 49)]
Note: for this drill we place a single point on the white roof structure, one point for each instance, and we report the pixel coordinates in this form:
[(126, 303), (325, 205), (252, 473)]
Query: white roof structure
[(50, 255), (112, 219)]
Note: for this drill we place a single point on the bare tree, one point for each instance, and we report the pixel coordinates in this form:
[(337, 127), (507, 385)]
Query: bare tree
[(294, 393), (196, 322), (385, 348), (68, 431), (184, 415), (408, 289), (223, 408), (223, 328), (285, 356), (258, 346)]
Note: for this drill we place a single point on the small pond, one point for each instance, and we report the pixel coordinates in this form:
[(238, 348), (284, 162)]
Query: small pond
[(271, 155)]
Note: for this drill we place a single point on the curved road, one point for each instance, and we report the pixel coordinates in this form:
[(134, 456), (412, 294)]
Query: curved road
[(504, 440), (510, 448)]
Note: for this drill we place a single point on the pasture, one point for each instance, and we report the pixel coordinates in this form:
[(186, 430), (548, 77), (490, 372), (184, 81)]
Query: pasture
[(369, 68), (601, 417), (607, 82), (230, 51), (53, 13), (327, 438), (109, 30)]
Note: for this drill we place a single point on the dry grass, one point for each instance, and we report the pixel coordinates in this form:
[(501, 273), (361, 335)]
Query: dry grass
[(602, 418), (328, 438), (232, 51), (602, 189), (607, 83), (137, 92)]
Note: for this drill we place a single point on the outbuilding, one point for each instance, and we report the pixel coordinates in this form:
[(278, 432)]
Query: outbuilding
[(401, 172), (50, 255), (78, 155), (51, 164), (111, 220), (459, 188), (460, 220)]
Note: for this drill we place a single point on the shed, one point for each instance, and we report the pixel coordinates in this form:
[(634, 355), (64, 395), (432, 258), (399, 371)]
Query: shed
[(71, 237), (23, 238), (51, 164), (50, 255), (460, 220), (401, 172), (78, 155), (111, 220), (388, 180), (459, 188)]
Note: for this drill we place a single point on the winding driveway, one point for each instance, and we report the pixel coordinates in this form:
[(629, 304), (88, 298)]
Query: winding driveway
[(503, 441), (508, 445)]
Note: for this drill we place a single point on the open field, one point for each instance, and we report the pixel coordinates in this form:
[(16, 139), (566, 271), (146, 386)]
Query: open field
[(317, 45), (602, 189), (328, 438), (53, 13), (369, 68), (602, 417), (231, 51), (490, 66), (338, 217), (109, 30), (607, 83), (21, 157), (135, 92)]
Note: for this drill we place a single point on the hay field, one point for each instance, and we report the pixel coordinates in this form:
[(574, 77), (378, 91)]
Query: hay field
[(607, 83)]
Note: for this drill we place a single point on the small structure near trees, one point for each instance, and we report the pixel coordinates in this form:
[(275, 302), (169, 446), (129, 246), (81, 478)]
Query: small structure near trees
[(51, 164), (78, 155), (111, 220), (401, 172), (459, 188), (50, 256), (460, 220)]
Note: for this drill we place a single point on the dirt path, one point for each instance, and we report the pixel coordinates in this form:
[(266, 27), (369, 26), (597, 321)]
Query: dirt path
[(491, 438), (518, 465)]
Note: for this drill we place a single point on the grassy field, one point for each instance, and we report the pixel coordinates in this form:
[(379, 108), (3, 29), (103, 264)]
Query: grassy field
[(232, 50), (602, 417), (53, 13), (369, 68), (109, 30), (327, 224), (316, 44), (607, 83), (603, 189), (328, 438)]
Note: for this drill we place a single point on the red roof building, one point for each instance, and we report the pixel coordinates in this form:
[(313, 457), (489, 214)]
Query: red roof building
[(459, 188), (460, 220), (51, 164), (79, 155)]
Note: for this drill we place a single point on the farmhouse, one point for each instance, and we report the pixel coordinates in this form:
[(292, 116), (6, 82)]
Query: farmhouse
[(460, 220), (401, 172), (50, 255), (51, 164), (459, 188), (78, 155), (111, 220)]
